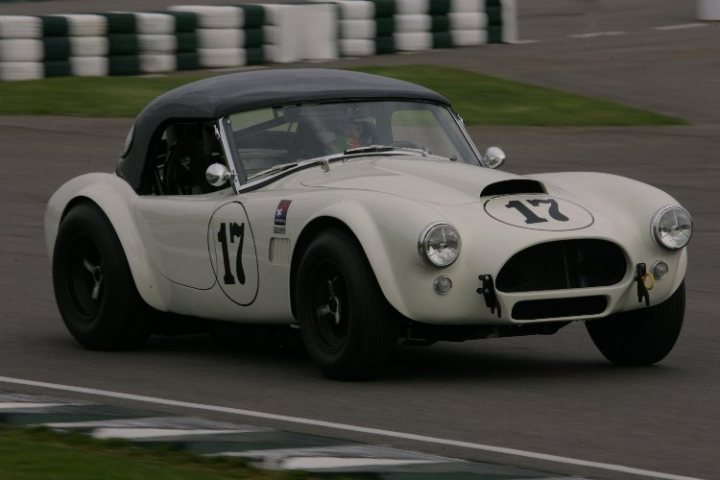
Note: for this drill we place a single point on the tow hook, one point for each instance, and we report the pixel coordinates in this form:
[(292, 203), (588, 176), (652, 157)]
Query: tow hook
[(488, 291), (645, 282)]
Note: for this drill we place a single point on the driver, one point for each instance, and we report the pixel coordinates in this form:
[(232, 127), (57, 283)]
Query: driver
[(352, 134), (342, 126)]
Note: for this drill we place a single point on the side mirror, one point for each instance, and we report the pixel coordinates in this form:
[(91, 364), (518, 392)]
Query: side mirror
[(217, 174), (493, 158)]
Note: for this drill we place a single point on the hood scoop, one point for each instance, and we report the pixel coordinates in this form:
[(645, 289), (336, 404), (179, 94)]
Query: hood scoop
[(513, 187)]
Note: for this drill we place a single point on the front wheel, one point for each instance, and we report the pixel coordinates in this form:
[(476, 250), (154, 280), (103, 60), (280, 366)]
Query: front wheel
[(94, 289), (347, 326), (640, 337)]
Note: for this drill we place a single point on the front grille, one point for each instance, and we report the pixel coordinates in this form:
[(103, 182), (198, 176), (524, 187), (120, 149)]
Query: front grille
[(559, 308), (563, 264)]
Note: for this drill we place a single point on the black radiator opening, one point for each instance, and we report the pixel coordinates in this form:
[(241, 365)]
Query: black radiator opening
[(564, 264), (559, 308)]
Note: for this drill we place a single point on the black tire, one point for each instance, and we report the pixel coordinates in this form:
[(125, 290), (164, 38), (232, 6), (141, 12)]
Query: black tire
[(348, 328), (94, 289), (640, 337)]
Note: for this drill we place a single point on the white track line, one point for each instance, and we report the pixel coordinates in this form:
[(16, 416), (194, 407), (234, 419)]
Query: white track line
[(351, 428), (597, 34), (681, 26)]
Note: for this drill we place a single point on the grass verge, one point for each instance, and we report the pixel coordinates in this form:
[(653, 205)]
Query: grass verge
[(40, 454), (480, 99)]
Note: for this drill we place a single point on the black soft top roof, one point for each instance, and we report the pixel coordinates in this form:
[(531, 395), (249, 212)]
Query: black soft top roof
[(215, 97)]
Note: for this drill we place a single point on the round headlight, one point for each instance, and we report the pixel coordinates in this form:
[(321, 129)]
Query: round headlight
[(672, 227), (439, 245)]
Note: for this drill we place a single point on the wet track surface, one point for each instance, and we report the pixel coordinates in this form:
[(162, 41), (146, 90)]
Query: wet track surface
[(553, 395)]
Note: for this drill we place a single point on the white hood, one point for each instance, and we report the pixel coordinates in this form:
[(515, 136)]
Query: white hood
[(441, 182)]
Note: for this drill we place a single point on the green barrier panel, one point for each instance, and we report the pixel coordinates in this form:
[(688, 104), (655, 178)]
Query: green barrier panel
[(384, 27), (184, 21), (124, 65), (120, 22), (54, 26), (384, 45), (187, 61), (494, 15), (493, 3), (384, 8), (442, 40), (255, 56), (439, 7), (58, 68), (123, 44), (495, 34), (56, 48), (254, 37), (254, 15), (440, 23), (186, 42)]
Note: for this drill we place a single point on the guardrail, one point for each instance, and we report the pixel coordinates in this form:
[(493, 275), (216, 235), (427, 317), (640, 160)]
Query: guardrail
[(188, 37)]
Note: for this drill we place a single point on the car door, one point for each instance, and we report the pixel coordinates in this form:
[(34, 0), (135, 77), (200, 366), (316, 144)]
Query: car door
[(174, 218), (176, 233)]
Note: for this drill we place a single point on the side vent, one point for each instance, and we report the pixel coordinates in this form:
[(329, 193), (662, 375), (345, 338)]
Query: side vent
[(512, 187)]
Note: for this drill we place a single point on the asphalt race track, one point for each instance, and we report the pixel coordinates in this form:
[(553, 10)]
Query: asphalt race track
[(553, 395)]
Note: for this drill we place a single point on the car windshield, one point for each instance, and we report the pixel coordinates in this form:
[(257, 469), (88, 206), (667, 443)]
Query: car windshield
[(272, 138)]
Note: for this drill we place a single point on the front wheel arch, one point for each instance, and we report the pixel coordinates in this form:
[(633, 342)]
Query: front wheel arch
[(312, 230)]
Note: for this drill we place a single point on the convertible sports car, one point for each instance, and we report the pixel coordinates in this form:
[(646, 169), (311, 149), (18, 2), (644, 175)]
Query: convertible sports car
[(357, 208)]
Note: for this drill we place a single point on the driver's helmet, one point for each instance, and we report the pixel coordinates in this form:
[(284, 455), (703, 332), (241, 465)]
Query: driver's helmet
[(344, 125)]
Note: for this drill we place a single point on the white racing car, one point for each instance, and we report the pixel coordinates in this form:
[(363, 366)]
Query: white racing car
[(357, 207)]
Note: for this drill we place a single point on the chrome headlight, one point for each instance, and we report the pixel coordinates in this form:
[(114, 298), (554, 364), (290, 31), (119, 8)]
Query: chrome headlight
[(439, 245), (672, 227)]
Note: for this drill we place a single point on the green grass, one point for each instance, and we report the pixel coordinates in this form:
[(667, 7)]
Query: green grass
[(40, 454), (480, 99)]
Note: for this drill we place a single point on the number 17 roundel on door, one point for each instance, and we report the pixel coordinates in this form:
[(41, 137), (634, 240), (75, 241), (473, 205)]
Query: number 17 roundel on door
[(232, 253)]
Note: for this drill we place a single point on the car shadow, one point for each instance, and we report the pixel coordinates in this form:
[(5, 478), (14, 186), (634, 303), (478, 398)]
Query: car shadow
[(488, 361)]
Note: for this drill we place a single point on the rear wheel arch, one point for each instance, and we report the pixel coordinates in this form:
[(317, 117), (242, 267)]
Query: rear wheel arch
[(116, 210), (113, 316)]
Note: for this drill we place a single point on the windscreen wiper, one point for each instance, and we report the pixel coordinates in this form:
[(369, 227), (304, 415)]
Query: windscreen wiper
[(277, 168), (371, 149)]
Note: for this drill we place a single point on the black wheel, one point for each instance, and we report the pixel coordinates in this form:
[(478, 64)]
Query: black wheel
[(347, 326), (94, 289), (640, 337)]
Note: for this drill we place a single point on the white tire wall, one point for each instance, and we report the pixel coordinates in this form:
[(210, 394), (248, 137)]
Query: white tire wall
[(14, 71), (20, 27), (221, 57), (21, 50), (160, 43), (354, 47), (357, 29), (90, 66), (157, 62), (214, 16), (212, 36), (413, 41), (154, 23), (89, 46)]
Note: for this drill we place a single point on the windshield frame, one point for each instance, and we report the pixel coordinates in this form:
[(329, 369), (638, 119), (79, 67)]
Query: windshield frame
[(242, 184)]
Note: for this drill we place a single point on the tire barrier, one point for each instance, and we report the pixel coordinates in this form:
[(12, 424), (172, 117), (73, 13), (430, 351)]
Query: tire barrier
[(189, 37), (708, 10)]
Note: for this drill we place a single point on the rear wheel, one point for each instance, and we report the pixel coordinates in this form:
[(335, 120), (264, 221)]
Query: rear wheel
[(347, 326), (94, 289), (640, 337)]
